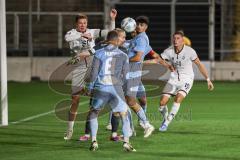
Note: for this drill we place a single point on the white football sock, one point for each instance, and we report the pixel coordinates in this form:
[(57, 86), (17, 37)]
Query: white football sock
[(70, 125), (173, 112), (164, 111)]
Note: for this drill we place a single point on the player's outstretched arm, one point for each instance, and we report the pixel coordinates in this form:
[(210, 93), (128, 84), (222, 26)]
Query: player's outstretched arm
[(154, 54), (203, 70), (104, 32), (165, 64), (150, 61), (155, 57)]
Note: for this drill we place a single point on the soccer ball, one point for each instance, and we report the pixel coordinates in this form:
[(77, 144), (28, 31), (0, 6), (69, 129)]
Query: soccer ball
[(128, 24)]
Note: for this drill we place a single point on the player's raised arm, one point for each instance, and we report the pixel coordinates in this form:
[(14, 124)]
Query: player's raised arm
[(113, 15), (203, 70), (104, 32)]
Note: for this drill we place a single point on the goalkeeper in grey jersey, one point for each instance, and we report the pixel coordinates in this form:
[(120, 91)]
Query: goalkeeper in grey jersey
[(81, 42)]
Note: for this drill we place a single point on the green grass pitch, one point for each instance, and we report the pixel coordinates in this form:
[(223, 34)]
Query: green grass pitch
[(208, 127)]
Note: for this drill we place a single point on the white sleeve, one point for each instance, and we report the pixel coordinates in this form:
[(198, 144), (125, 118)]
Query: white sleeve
[(193, 55), (72, 35), (99, 33), (112, 25), (165, 55), (103, 32)]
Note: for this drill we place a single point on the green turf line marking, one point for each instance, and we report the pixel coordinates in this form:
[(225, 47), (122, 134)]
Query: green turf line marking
[(40, 115)]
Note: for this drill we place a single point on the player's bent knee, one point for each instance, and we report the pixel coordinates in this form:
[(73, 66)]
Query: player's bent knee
[(180, 96), (131, 101), (163, 103), (182, 93), (164, 99)]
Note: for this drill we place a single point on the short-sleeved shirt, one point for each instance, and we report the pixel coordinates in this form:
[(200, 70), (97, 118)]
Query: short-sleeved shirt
[(181, 61)]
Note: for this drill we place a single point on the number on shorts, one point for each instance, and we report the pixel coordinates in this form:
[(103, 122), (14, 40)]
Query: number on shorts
[(187, 85)]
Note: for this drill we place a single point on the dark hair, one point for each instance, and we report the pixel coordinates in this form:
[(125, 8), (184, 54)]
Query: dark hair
[(179, 32), (142, 19), (80, 16), (112, 36)]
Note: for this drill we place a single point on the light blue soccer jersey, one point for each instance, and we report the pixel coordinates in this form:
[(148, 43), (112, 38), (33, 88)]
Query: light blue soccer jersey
[(110, 67), (140, 43)]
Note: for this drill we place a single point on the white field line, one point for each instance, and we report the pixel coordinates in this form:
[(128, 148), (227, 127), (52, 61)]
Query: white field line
[(41, 115)]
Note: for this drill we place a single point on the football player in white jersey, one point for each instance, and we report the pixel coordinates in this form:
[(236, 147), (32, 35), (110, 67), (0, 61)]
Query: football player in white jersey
[(81, 42), (181, 80)]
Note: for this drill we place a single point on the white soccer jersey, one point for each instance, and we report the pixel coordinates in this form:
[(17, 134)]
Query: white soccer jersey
[(77, 43), (181, 61)]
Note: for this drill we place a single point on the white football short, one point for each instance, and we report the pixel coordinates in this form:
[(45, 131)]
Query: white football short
[(175, 85)]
